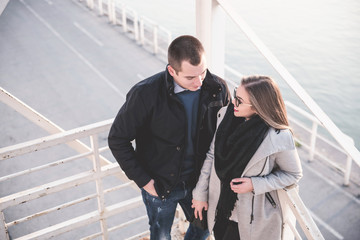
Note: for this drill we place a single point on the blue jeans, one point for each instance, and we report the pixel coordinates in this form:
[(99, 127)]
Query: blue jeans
[(161, 214)]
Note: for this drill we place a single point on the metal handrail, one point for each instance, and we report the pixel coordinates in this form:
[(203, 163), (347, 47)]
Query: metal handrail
[(138, 27), (96, 175), (293, 84), (313, 131)]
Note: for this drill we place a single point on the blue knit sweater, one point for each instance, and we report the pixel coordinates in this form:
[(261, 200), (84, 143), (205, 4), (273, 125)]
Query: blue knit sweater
[(190, 100)]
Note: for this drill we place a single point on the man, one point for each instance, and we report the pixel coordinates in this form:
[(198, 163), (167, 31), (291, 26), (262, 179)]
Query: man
[(172, 117)]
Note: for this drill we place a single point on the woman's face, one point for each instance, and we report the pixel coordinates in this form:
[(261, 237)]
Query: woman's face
[(242, 106)]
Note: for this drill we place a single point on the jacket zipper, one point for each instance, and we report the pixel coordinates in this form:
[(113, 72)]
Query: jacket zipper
[(252, 200), (271, 200), (252, 209)]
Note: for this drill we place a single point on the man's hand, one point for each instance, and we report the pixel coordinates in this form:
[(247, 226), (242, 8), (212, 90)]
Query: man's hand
[(199, 205), (149, 187)]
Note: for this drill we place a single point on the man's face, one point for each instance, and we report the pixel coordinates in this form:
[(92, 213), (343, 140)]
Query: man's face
[(190, 77)]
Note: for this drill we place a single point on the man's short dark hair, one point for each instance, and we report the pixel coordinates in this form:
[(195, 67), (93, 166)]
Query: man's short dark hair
[(184, 48)]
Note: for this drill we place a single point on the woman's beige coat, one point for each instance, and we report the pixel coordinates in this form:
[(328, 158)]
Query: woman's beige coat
[(274, 165)]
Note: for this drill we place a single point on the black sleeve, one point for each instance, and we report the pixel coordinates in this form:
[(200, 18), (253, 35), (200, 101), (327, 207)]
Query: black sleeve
[(130, 118)]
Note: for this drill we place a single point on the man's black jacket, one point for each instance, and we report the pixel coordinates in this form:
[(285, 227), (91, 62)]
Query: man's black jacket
[(155, 118)]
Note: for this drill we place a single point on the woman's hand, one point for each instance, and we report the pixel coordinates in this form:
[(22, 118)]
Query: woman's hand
[(199, 205), (241, 185)]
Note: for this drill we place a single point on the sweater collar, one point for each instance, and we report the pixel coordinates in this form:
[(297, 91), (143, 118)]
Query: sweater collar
[(208, 84)]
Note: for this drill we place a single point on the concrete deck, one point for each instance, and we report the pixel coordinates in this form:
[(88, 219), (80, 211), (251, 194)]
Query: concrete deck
[(75, 68)]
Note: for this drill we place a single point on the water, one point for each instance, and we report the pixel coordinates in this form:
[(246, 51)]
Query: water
[(317, 41)]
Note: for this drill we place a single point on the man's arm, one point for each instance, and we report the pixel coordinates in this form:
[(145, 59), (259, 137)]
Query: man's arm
[(126, 125)]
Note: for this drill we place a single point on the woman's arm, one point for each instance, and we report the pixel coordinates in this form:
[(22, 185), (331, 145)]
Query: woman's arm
[(287, 172)]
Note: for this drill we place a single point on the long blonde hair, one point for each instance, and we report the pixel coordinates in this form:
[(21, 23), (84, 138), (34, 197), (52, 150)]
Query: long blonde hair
[(266, 99)]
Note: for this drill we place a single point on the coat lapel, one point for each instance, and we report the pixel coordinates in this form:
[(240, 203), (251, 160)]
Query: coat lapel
[(265, 149)]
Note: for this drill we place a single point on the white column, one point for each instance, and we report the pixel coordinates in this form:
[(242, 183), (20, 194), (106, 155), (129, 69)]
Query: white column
[(3, 4), (210, 30)]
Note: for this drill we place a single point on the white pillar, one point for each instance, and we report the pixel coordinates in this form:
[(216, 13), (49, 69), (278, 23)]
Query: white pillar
[(3, 4), (210, 30)]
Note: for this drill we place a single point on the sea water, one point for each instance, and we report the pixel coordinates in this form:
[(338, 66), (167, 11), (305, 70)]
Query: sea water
[(317, 41)]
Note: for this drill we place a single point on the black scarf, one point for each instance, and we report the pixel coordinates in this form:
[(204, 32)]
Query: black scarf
[(236, 142)]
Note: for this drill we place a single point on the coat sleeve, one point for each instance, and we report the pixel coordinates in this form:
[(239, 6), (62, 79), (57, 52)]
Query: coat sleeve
[(129, 120), (201, 190), (287, 171)]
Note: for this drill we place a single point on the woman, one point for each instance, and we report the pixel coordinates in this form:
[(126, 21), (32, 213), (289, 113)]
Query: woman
[(252, 155)]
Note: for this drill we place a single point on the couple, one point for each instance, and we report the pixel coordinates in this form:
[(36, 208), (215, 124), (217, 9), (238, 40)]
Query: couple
[(197, 148)]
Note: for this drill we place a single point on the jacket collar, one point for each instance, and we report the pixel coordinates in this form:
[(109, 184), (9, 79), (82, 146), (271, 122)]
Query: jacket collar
[(209, 84), (270, 145)]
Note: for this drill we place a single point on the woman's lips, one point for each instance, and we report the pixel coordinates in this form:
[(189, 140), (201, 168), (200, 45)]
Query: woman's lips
[(235, 110)]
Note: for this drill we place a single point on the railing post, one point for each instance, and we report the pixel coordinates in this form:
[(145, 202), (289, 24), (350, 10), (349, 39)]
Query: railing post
[(99, 186), (291, 198), (142, 32), (155, 39), (90, 4), (313, 141), (3, 229), (110, 7), (136, 26), (289, 220), (100, 6), (347, 170), (349, 161), (124, 21), (114, 21)]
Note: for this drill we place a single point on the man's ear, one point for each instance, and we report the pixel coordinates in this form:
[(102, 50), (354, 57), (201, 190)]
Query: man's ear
[(171, 70)]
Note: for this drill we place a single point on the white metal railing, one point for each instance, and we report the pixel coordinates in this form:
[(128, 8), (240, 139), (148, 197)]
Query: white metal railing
[(145, 31), (96, 175), (310, 144), (339, 136), (291, 202), (101, 214), (289, 198)]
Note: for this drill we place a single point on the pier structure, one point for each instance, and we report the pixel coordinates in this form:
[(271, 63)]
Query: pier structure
[(66, 67)]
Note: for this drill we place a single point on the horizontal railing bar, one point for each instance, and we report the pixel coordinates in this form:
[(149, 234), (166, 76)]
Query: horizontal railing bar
[(52, 164), (119, 207), (65, 205), (302, 112), (103, 149), (137, 236), (53, 209), (119, 187), (37, 192), (334, 164), (337, 166), (119, 227), (332, 144), (135, 220), (55, 139), (62, 227), (83, 220), (300, 124), (56, 186)]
